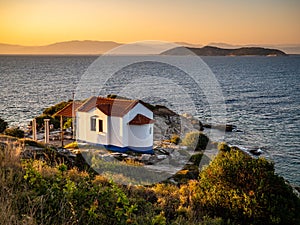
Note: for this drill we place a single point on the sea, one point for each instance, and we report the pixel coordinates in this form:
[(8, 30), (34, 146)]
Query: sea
[(259, 95)]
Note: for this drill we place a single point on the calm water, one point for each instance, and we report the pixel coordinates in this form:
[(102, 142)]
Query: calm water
[(262, 96)]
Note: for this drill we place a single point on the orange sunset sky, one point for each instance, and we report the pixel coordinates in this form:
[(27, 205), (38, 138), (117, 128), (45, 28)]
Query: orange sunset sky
[(41, 22)]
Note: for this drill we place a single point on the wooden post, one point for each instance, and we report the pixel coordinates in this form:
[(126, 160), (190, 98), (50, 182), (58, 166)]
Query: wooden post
[(33, 127), (73, 116), (46, 130), (61, 132)]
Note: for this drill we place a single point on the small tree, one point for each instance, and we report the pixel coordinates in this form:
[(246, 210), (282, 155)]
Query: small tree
[(195, 140), (3, 125)]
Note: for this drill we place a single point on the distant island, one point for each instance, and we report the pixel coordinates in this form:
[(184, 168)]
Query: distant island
[(215, 51)]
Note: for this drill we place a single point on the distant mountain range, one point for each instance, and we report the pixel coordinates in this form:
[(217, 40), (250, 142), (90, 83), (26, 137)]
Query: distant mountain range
[(68, 47), (88, 47), (215, 51)]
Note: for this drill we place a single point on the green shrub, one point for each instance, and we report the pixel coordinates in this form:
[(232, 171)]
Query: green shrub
[(3, 125), (14, 132), (40, 121), (73, 145), (195, 140), (244, 190), (53, 109), (168, 199), (223, 147), (159, 220), (68, 123)]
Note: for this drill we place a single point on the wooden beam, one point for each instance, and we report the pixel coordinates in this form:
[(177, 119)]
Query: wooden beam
[(61, 131)]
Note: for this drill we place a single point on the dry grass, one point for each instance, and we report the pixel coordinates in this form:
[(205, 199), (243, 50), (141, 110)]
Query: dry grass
[(7, 214), (10, 175)]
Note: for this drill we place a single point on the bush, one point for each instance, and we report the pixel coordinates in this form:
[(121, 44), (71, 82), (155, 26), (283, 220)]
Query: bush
[(68, 123), (73, 145), (3, 125), (53, 109), (195, 140), (40, 121), (244, 190), (168, 199), (223, 147), (14, 132)]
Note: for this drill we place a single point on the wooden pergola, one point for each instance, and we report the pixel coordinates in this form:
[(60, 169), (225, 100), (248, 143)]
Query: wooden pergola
[(69, 111)]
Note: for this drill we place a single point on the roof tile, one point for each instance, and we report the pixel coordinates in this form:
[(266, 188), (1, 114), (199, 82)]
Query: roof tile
[(68, 110), (109, 106)]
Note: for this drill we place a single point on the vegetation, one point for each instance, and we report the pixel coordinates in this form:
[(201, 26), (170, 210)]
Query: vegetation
[(175, 139), (195, 140), (233, 189), (72, 145), (223, 147), (53, 109), (30, 142), (49, 112), (243, 190), (14, 132), (3, 125), (68, 123)]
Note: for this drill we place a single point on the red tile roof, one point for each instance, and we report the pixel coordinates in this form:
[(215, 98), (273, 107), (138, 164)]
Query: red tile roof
[(109, 106), (67, 111), (140, 119)]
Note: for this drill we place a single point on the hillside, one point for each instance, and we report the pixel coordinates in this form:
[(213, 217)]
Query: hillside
[(233, 189), (68, 47), (215, 51)]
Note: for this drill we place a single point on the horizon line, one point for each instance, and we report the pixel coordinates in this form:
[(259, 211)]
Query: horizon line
[(176, 42)]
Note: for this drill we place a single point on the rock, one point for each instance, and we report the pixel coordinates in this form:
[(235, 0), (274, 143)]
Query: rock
[(145, 157), (230, 127), (256, 152), (162, 151), (108, 158), (170, 150), (168, 123), (206, 125), (161, 157), (187, 115), (227, 127)]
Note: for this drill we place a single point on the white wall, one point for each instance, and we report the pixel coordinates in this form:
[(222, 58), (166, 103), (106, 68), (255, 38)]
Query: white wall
[(138, 135), (116, 131), (83, 127)]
